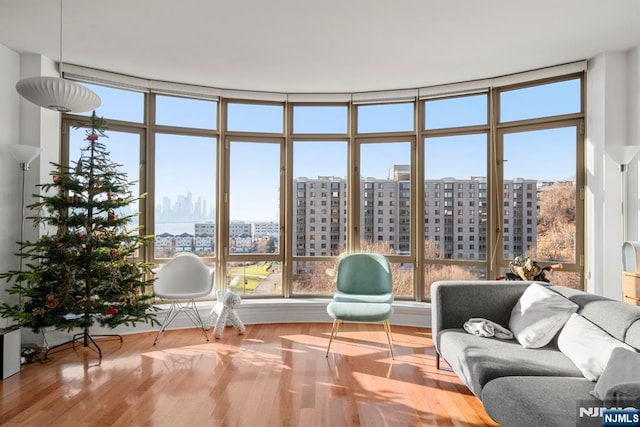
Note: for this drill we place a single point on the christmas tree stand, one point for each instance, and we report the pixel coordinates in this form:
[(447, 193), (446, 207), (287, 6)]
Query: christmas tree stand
[(87, 340)]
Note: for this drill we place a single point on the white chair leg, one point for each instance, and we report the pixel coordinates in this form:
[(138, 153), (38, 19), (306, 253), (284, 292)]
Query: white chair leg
[(192, 313), (190, 310), (173, 312)]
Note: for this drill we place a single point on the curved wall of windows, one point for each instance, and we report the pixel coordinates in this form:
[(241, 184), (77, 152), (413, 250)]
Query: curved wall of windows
[(271, 193)]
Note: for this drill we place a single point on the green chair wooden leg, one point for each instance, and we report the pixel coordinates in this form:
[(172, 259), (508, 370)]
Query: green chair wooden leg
[(334, 332), (387, 330)]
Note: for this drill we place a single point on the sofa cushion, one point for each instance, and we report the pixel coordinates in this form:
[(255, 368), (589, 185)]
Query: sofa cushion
[(632, 336), (599, 310), (538, 316), (588, 346), (541, 401), (622, 368), (477, 360)]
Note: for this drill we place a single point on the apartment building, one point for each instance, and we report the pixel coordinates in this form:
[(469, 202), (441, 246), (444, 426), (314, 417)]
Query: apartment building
[(455, 215)]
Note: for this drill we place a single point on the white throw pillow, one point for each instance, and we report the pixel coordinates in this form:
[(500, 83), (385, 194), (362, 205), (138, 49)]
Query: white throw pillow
[(622, 368), (588, 346), (538, 316)]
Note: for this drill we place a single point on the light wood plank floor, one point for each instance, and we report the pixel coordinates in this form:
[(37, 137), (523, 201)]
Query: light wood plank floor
[(274, 375)]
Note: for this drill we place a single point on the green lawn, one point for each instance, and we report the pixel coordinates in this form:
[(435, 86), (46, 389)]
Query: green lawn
[(254, 274)]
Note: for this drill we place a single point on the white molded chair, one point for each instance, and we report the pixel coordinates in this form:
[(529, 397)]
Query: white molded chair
[(183, 279)]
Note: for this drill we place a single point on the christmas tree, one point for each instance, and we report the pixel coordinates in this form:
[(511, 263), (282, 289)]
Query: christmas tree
[(85, 272)]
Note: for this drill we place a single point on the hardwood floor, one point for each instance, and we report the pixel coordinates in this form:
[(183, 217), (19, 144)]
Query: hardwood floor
[(274, 375)]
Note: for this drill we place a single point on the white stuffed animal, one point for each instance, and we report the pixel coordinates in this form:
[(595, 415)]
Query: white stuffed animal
[(225, 308)]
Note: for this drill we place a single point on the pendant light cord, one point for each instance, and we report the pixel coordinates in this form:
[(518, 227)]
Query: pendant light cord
[(61, 27)]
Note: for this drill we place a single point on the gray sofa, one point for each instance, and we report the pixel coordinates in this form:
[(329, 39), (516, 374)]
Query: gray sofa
[(519, 386)]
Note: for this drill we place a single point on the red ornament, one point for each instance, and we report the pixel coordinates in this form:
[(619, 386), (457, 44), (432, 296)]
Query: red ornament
[(50, 301), (92, 137), (57, 179), (111, 216), (114, 253), (111, 311)]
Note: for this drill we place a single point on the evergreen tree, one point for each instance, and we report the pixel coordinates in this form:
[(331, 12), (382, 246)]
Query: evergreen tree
[(86, 272)]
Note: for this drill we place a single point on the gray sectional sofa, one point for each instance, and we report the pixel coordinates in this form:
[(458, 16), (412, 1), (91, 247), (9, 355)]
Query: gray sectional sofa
[(523, 386)]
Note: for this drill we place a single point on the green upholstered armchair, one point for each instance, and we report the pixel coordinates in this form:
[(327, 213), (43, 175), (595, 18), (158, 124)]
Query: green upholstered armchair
[(364, 293)]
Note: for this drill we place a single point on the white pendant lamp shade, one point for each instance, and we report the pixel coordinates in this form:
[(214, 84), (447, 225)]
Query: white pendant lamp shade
[(58, 94)]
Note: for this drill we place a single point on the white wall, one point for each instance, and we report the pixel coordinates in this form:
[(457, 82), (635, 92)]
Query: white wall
[(9, 169), (39, 127), (21, 122), (633, 114), (612, 121)]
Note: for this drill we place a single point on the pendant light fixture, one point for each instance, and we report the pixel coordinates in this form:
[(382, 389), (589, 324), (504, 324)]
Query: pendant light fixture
[(56, 93)]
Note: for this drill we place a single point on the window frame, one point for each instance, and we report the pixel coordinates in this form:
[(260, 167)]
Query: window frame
[(495, 130)]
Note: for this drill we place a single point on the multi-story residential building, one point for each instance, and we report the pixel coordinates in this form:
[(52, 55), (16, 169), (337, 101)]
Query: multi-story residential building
[(208, 228), (265, 229), (320, 215), (455, 212), (240, 228), (205, 237)]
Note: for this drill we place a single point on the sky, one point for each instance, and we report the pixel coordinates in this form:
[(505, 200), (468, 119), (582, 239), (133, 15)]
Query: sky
[(188, 163)]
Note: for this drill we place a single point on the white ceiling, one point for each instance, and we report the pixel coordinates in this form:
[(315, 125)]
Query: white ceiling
[(320, 45)]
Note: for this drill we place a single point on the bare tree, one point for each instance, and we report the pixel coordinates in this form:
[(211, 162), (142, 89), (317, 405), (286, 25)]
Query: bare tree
[(433, 273), (557, 223)]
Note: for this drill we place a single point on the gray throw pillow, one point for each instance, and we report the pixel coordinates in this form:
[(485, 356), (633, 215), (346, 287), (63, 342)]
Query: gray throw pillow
[(622, 368)]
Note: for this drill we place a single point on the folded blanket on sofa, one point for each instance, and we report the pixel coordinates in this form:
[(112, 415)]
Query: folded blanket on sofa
[(486, 328)]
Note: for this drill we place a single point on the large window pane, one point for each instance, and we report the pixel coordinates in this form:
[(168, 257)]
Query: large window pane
[(255, 118), (539, 196), (455, 112), (118, 104), (455, 197), (320, 211), (385, 198), (186, 112), (540, 101), (254, 198), (319, 119), (185, 195), (385, 117), (320, 198)]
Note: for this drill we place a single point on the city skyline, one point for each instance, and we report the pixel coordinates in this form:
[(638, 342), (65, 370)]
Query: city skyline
[(184, 208)]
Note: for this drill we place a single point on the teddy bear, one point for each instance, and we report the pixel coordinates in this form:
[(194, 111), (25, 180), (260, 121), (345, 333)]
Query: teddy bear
[(225, 308)]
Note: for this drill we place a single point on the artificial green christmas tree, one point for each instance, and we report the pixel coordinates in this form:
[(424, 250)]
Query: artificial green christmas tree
[(85, 272)]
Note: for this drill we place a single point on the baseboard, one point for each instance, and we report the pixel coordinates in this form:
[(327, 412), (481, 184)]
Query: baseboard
[(251, 311)]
